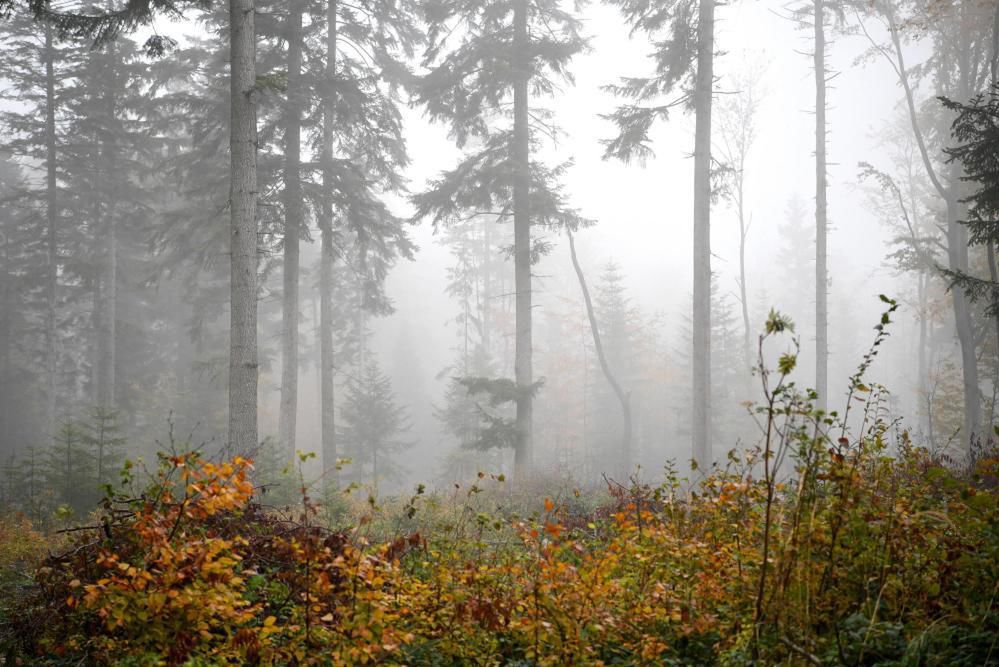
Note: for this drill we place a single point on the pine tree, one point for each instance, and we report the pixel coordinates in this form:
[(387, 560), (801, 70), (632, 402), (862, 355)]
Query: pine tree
[(482, 56), (372, 425), (683, 34), (102, 436), (69, 471), (38, 68)]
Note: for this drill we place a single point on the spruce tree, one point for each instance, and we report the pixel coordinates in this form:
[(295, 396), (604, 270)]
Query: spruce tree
[(485, 58), (372, 426), (682, 32)]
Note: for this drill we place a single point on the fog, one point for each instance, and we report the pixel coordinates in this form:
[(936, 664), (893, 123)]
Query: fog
[(141, 158)]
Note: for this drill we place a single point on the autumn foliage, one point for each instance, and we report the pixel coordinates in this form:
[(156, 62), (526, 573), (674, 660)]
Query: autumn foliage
[(872, 559)]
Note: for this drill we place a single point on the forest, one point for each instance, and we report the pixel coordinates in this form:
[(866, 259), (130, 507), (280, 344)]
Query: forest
[(499, 332)]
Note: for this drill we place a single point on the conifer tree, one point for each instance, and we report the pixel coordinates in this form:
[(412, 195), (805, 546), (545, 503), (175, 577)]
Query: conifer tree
[(372, 425), (38, 68), (485, 57), (683, 34)]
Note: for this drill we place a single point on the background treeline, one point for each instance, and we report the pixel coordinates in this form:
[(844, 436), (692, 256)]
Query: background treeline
[(115, 241)]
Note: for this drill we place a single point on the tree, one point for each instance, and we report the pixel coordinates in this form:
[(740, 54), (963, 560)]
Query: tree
[(371, 425), (361, 156), (624, 398), (243, 229), (737, 133), (482, 56), (34, 135), (955, 63), (102, 27), (683, 32), (294, 222)]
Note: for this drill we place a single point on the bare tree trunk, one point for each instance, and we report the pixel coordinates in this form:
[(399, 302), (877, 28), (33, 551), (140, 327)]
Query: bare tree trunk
[(287, 418), (52, 241), (243, 231), (701, 393), (523, 370), (107, 336), (109, 314), (622, 397), (326, 388), (821, 223), (7, 303)]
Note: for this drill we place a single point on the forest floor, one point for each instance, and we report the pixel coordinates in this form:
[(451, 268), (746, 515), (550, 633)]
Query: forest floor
[(854, 557)]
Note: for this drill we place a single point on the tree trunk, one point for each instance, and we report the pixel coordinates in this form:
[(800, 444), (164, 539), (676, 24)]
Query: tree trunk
[(52, 219), (622, 397), (747, 332), (287, 418), (243, 231), (326, 389), (523, 371), (7, 303), (107, 336), (821, 275), (701, 391)]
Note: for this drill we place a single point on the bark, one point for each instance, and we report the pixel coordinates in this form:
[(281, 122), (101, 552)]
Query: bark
[(623, 398), (523, 370), (821, 223), (701, 390), (52, 241), (287, 417), (243, 231), (326, 389), (108, 333)]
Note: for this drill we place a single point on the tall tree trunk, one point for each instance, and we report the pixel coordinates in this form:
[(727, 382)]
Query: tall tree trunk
[(523, 363), (52, 241), (243, 230), (326, 389), (7, 301), (623, 398), (821, 225), (701, 391), (106, 348), (287, 418), (107, 336)]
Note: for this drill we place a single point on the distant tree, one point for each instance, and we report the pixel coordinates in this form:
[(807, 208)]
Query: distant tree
[(372, 425), (102, 436), (613, 311), (482, 56), (683, 32), (69, 471), (361, 155), (38, 69), (797, 240), (960, 35), (737, 132)]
